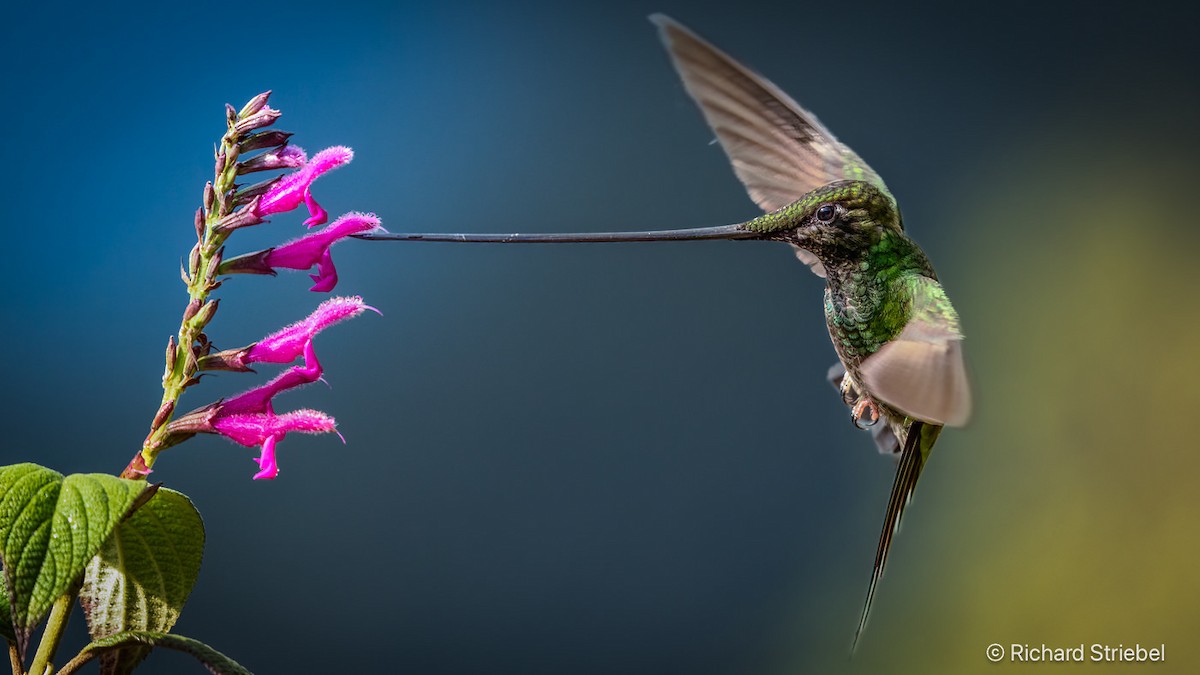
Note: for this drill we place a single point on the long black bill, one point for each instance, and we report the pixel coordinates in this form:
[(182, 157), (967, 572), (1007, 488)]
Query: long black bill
[(722, 232)]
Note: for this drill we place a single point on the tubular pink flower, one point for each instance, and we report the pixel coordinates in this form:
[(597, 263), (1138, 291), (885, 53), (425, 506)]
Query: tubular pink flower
[(268, 429), (285, 345), (295, 188), (258, 400), (313, 249), (249, 419), (251, 429)]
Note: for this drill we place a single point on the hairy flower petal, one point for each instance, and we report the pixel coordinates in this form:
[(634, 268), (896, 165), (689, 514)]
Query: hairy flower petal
[(258, 400), (295, 188), (249, 418), (267, 429), (313, 249), (283, 346), (251, 429)]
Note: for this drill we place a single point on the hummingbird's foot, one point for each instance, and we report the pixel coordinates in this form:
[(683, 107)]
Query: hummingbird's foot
[(865, 414), (848, 391)]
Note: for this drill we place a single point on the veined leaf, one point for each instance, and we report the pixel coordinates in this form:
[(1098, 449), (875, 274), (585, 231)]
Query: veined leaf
[(50, 527), (142, 576)]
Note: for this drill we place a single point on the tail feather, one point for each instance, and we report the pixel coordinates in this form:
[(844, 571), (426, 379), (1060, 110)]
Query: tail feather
[(917, 444)]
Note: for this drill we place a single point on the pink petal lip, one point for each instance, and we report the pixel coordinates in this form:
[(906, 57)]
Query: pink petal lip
[(268, 468)]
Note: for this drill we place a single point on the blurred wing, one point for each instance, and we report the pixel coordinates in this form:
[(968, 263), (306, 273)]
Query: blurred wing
[(921, 371), (810, 259), (918, 443), (778, 149)]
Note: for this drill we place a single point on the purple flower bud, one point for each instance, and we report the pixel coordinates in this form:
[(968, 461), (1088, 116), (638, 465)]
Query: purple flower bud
[(313, 249), (264, 139), (287, 157), (245, 194), (255, 104), (206, 312), (247, 263), (264, 117), (243, 217), (295, 188)]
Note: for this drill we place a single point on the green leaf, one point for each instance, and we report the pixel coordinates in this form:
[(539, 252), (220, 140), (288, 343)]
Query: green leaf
[(215, 661), (143, 575), (50, 527)]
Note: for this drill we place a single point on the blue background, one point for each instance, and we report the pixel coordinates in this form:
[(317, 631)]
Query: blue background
[(602, 459)]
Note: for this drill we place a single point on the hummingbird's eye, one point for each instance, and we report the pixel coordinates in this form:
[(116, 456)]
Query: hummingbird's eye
[(826, 213)]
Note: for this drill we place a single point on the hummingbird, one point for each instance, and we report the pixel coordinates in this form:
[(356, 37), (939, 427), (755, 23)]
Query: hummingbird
[(900, 363)]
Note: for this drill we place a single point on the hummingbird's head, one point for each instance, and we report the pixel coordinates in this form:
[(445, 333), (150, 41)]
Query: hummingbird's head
[(836, 221)]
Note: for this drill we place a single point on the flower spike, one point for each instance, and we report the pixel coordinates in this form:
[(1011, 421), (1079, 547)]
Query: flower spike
[(250, 145)]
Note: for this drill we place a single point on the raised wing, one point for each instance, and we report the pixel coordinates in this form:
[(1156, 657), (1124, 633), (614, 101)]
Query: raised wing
[(778, 149), (921, 371)]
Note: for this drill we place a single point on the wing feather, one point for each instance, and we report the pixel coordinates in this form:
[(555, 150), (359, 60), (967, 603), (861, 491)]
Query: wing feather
[(758, 125), (921, 371)]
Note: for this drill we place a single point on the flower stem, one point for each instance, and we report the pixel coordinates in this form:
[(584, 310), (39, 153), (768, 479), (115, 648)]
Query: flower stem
[(184, 352), (14, 658), (60, 613)]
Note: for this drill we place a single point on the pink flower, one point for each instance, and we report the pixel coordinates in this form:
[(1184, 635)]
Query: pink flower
[(285, 345), (295, 188), (258, 400), (303, 253), (267, 429), (249, 419), (313, 249)]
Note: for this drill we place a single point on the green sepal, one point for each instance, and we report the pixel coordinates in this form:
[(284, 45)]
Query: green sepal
[(142, 576), (50, 527), (215, 661)]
